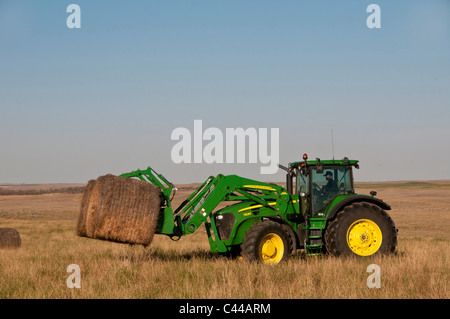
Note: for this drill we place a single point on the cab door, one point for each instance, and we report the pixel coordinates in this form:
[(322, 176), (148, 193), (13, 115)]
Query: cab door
[(303, 189)]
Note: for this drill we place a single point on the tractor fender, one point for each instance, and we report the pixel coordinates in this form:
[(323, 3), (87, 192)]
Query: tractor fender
[(357, 199), (241, 228)]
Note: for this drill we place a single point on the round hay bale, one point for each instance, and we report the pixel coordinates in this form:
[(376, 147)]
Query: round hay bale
[(129, 210), (81, 226), (9, 238), (94, 207), (119, 209)]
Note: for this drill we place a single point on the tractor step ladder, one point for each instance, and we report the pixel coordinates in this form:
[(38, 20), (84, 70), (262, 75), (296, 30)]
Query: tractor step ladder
[(314, 243)]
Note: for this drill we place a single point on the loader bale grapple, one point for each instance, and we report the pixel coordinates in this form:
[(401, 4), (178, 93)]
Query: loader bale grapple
[(317, 211)]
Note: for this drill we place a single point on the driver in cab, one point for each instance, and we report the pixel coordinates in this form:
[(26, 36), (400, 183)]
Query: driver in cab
[(331, 187)]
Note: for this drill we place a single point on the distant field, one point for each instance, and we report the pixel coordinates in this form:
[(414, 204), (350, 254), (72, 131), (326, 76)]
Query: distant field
[(38, 189), (39, 186), (186, 269), (409, 184)]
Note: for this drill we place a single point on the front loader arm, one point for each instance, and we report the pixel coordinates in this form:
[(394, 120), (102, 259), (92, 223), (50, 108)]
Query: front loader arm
[(199, 206), (197, 209), (224, 188)]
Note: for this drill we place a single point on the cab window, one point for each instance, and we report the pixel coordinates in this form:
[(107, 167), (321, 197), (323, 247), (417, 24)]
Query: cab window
[(328, 184)]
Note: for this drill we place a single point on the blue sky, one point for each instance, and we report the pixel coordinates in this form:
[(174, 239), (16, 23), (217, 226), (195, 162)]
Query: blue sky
[(79, 103)]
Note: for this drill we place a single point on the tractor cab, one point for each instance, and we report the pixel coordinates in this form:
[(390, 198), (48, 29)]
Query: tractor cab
[(318, 183)]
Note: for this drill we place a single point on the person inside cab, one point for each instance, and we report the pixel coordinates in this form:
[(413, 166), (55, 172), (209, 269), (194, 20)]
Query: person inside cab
[(331, 188)]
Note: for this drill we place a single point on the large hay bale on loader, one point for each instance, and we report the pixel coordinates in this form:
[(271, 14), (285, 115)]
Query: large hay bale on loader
[(81, 227), (95, 206), (9, 238), (119, 209)]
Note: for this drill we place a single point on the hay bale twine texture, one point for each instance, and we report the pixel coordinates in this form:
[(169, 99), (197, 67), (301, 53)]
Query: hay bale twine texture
[(81, 227), (119, 209), (9, 238)]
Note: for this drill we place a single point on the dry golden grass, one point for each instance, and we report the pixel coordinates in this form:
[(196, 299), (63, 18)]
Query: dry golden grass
[(186, 269)]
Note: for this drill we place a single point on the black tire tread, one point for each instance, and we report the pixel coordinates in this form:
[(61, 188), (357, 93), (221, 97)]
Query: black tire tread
[(331, 233), (250, 240)]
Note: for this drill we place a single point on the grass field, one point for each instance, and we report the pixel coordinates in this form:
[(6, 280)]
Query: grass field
[(186, 269)]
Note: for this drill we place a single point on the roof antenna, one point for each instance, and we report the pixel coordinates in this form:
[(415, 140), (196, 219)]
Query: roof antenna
[(332, 144)]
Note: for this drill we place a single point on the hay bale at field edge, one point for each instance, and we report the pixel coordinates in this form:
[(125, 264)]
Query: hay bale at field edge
[(9, 238)]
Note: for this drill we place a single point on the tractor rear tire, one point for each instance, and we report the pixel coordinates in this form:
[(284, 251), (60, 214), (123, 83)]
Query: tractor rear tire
[(361, 229), (265, 242)]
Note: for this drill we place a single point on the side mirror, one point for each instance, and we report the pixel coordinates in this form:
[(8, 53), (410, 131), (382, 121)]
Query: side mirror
[(284, 168)]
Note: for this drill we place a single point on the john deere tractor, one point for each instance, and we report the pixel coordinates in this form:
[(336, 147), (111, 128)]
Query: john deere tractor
[(317, 211)]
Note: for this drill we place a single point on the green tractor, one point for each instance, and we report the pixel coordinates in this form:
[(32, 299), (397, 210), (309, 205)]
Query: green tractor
[(317, 211)]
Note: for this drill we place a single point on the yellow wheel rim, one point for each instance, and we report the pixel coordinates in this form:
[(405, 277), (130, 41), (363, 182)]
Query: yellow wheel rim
[(271, 249), (364, 237)]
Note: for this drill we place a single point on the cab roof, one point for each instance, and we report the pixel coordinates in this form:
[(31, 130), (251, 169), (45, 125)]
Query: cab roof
[(343, 162)]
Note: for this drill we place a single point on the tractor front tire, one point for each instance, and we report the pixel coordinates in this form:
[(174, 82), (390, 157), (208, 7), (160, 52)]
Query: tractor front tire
[(361, 229), (265, 242)]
